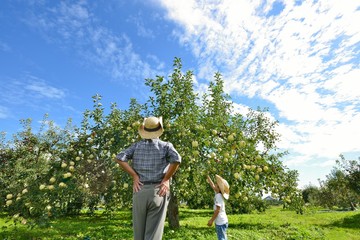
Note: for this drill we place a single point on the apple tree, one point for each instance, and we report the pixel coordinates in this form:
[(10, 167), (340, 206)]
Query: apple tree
[(37, 181), (59, 172), (212, 139)]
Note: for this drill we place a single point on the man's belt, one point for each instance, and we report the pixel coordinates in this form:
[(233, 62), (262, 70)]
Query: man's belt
[(151, 183)]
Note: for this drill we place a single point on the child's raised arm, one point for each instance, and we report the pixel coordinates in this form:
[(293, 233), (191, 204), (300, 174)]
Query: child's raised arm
[(212, 185)]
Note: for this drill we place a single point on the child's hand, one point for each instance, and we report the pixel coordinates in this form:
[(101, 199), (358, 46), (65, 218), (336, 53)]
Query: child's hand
[(208, 179), (210, 223)]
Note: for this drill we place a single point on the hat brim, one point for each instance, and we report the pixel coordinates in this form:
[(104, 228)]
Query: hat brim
[(150, 135), (224, 186)]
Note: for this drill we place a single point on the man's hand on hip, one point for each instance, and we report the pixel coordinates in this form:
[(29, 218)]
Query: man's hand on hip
[(164, 188), (137, 184)]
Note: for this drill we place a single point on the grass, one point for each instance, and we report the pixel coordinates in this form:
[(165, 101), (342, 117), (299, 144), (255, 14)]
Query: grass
[(273, 224)]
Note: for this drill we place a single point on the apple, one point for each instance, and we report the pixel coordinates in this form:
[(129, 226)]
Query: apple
[(213, 155), (51, 187), (52, 180), (259, 169), (42, 187), (242, 143), (9, 196), (214, 132), (257, 177), (195, 144), (71, 168), (77, 158), (67, 175), (230, 138), (9, 202), (266, 168), (24, 191), (62, 185), (72, 163), (126, 185), (63, 165)]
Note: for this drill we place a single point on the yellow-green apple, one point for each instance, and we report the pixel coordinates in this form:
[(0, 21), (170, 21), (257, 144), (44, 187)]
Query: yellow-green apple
[(194, 144)]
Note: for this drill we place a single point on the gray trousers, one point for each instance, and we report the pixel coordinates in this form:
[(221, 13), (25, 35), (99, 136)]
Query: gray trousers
[(149, 213)]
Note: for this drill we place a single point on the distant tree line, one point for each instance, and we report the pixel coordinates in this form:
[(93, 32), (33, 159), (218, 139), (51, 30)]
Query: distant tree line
[(340, 189)]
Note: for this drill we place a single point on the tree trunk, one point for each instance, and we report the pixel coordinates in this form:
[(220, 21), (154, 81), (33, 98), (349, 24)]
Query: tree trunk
[(352, 206), (173, 212)]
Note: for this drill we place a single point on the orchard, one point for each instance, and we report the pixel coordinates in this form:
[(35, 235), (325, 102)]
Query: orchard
[(62, 171)]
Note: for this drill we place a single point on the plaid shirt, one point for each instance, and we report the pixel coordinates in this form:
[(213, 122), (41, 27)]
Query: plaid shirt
[(150, 158)]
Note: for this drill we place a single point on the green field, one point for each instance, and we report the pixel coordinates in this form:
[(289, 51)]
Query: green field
[(273, 224)]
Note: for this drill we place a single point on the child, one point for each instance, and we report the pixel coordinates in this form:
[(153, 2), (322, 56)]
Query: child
[(221, 192)]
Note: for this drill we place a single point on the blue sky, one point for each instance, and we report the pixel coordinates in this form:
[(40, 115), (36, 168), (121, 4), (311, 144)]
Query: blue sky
[(298, 58)]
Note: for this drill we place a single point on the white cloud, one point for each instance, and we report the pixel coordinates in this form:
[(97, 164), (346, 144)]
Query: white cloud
[(4, 112), (29, 91), (74, 26), (305, 61), (142, 30), (41, 89), (241, 109)]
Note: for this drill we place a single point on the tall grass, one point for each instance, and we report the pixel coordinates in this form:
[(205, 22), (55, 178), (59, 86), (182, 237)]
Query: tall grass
[(273, 224)]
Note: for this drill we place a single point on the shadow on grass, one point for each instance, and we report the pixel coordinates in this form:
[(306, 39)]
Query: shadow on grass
[(251, 226), (352, 222)]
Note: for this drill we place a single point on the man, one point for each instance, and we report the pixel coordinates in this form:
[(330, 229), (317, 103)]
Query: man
[(153, 164)]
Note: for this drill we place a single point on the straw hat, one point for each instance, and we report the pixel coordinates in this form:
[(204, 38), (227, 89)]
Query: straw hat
[(224, 186), (152, 127)]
